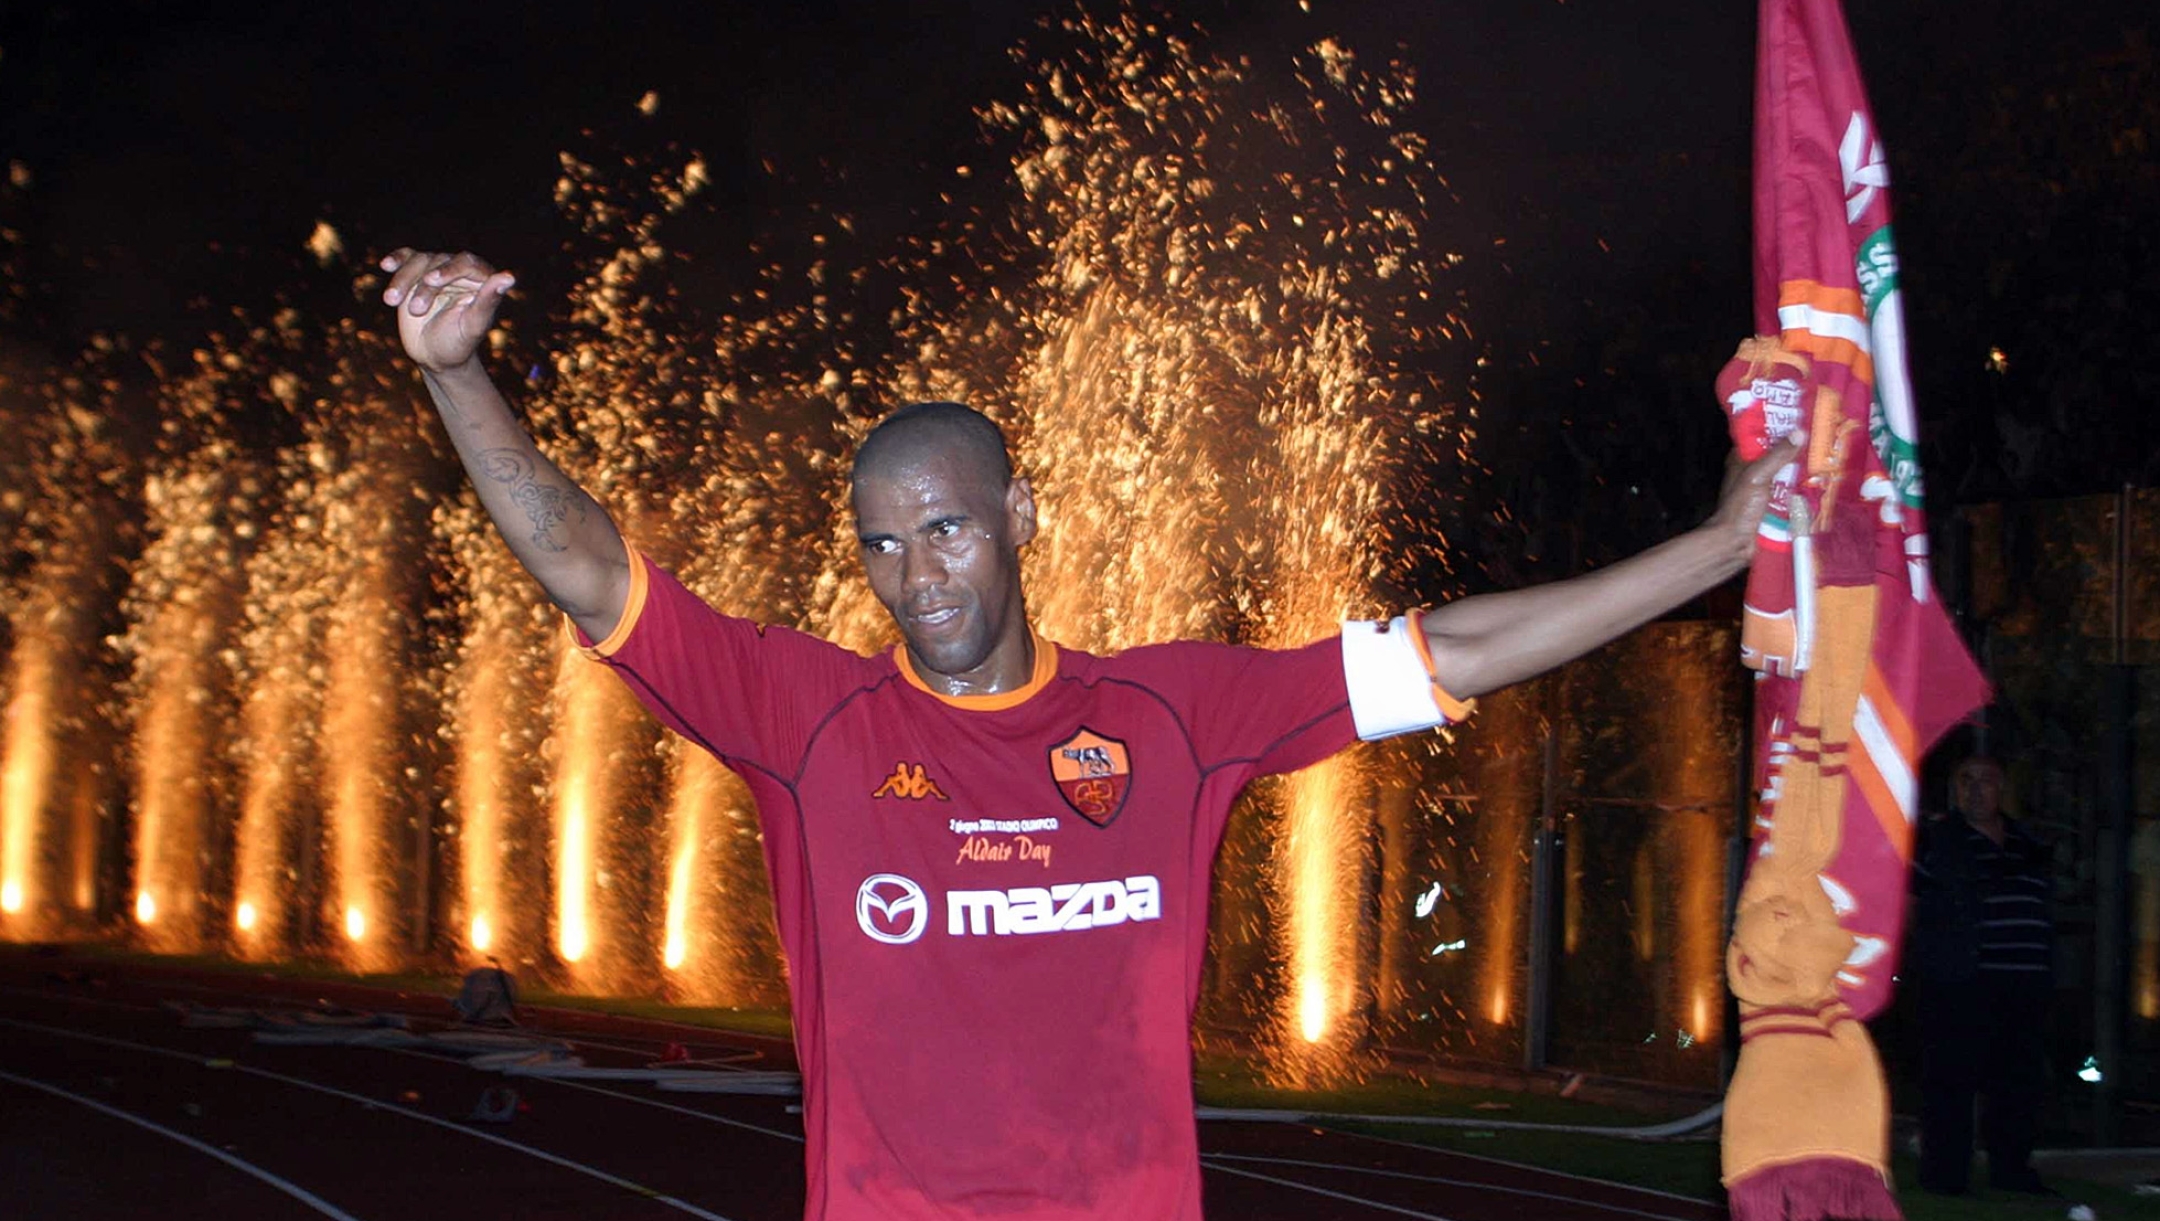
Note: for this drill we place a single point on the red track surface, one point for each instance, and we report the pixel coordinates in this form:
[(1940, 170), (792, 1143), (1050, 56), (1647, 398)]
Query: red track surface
[(112, 1107)]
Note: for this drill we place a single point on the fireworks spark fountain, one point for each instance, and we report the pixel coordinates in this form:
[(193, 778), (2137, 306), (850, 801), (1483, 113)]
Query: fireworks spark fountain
[(202, 508), (373, 516), (24, 775), (47, 815), (279, 724), (496, 692)]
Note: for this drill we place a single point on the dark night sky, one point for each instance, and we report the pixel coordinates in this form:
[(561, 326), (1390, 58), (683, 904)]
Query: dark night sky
[(155, 130), (180, 153)]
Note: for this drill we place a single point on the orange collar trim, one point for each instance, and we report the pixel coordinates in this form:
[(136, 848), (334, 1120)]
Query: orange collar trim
[(1045, 670)]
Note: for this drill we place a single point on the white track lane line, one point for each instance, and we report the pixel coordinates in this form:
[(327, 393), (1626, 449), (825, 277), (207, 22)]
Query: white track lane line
[(1322, 1191), (297, 1192), (640, 1099), (1209, 1159), (1438, 1180), (141, 1007), (380, 1105), (679, 1110), (1501, 1161)]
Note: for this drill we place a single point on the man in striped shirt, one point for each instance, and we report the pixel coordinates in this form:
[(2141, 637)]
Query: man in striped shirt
[(1981, 962)]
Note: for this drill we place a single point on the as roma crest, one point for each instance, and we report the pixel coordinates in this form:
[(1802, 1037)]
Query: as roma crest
[(1093, 773)]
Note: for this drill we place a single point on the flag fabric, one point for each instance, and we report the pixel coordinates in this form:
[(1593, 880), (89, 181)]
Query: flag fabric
[(1859, 668)]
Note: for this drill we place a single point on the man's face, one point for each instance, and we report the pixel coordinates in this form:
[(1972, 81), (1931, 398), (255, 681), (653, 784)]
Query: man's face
[(1977, 787), (941, 547)]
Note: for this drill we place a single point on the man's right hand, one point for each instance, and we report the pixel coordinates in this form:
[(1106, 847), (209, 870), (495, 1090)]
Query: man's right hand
[(445, 304)]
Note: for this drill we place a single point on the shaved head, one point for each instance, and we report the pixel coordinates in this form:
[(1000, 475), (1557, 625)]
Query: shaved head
[(950, 430)]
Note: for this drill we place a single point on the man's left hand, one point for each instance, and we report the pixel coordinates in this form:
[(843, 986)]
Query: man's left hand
[(1746, 495)]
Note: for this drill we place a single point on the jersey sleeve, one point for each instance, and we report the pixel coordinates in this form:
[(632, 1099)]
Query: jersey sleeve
[(1257, 710), (748, 693), (1278, 710)]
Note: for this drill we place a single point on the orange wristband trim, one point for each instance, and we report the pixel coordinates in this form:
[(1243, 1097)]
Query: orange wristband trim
[(1455, 710)]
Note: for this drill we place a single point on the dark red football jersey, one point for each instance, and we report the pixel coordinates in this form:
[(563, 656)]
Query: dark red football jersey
[(994, 908)]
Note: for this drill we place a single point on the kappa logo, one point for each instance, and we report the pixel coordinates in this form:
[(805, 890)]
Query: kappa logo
[(891, 909), (1093, 774), (911, 782)]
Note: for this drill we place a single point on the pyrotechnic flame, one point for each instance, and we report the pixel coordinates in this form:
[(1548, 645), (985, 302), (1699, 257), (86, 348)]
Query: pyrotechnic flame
[(24, 768), (687, 837), (574, 858), (201, 504), (50, 778), (279, 721), (497, 704)]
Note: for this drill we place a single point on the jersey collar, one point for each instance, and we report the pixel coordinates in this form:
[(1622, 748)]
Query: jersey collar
[(1045, 670)]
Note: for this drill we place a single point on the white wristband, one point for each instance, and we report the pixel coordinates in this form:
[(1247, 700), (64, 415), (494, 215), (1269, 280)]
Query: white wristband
[(1392, 688)]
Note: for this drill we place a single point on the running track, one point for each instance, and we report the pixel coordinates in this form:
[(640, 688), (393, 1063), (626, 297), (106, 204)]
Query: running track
[(114, 1105)]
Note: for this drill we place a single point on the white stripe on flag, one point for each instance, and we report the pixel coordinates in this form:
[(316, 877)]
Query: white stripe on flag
[(1827, 323), (1893, 387), (1896, 771)]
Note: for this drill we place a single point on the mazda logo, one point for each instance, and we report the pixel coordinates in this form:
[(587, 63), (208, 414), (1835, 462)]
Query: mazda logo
[(903, 910)]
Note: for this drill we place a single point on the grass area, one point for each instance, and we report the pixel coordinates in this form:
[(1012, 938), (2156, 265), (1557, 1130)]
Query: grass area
[(771, 1023), (1225, 1081), (1683, 1167), (2108, 1204)]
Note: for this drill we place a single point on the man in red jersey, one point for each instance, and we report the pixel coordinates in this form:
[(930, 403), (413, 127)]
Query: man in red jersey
[(990, 854)]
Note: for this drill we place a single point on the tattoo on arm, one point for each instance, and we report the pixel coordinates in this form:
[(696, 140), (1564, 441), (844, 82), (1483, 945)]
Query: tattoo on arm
[(546, 505)]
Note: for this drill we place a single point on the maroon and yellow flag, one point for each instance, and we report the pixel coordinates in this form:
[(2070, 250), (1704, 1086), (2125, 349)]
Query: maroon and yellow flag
[(1859, 668)]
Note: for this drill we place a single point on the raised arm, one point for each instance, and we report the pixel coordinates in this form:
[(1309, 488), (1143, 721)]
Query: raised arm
[(1486, 642), (445, 304)]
